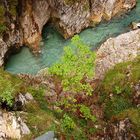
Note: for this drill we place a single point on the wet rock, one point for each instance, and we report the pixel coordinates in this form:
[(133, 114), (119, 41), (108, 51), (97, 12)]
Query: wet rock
[(123, 48), (12, 126), (11, 37)]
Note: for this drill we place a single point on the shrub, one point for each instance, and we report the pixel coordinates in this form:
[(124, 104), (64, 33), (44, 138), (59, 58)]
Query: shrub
[(117, 90), (75, 67), (87, 113), (6, 94), (116, 106), (67, 123), (9, 86)]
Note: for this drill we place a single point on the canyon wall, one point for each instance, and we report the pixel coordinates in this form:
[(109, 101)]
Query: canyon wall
[(68, 16), (33, 15), (10, 35), (24, 20)]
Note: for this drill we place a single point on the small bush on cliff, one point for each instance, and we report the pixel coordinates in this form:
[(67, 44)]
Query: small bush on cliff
[(9, 86), (87, 113), (6, 94), (67, 123), (75, 67)]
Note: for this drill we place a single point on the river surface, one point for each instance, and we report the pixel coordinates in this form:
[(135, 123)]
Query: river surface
[(52, 50)]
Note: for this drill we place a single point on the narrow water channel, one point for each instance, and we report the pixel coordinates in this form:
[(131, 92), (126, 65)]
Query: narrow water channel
[(26, 62)]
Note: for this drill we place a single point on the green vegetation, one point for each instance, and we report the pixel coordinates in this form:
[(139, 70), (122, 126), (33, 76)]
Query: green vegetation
[(72, 115), (116, 105), (2, 12), (9, 87), (75, 67), (87, 113), (122, 77), (40, 120), (72, 2), (67, 123), (74, 120), (119, 83)]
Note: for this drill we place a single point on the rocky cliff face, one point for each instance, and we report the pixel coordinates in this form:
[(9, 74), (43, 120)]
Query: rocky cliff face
[(3, 50), (68, 16), (12, 126), (33, 15), (24, 25), (123, 48), (10, 37)]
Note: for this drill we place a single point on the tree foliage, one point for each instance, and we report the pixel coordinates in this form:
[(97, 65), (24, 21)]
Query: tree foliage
[(75, 67)]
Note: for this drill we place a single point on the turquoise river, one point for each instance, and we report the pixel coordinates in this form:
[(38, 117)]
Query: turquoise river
[(52, 50)]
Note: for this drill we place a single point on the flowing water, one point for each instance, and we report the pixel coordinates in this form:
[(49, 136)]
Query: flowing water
[(52, 50)]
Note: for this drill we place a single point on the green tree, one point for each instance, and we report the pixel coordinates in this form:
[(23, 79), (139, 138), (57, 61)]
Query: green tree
[(75, 67)]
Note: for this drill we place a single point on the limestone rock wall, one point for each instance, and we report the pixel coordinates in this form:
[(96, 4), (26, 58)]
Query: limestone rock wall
[(24, 27), (68, 16), (12, 126), (123, 48), (33, 15), (3, 50), (11, 38)]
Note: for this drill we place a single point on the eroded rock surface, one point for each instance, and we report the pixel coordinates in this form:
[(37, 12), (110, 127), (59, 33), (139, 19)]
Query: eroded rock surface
[(123, 48), (3, 50), (11, 38), (33, 16), (12, 126), (69, 17)]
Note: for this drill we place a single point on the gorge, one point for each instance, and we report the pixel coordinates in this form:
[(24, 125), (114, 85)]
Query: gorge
[(53, 43), (69, 69)]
